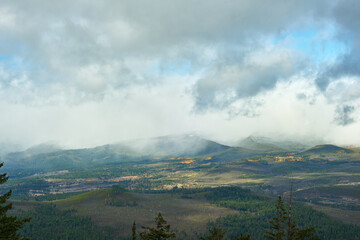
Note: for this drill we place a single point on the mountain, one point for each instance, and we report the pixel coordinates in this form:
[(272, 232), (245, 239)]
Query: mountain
[(50, 158), (327, 149), (232, 154), (6, 148), (43, 148), (260, 144), (34, 150), (265, 144), (175, 145)]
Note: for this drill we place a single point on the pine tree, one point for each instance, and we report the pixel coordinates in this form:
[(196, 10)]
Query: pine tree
[(215, 234), (277, 224), (162, 230), (305, 234), (9, 225), (290, 223), (282, 220), (242, 237), (293, 232), (134, 231)]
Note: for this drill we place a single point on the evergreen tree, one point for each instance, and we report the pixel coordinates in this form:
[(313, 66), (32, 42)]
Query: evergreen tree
[(293, 232), (283, 219), (243, 237), (215, 234), (277, 223), (162, 230), (134, 231), (9, 225), (290, 223), (306, 234)]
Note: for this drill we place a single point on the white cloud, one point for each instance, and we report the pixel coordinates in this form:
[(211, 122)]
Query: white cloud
[(7, 18), (246, 75), (87, 73)]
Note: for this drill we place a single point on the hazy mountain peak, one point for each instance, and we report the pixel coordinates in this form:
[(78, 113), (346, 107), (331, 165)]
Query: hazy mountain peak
[(268, 144), (43, 148), (327, 148), (6, 148), (186, 144)]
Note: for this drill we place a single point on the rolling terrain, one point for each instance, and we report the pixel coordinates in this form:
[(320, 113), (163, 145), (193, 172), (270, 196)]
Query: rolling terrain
[(50, 158), (189, 211), (327, 149), (324, 176)]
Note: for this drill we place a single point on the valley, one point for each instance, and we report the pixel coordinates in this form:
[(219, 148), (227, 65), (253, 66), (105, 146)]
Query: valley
[(326, 178)]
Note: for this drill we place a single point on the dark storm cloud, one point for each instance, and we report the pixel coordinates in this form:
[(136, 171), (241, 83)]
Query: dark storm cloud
[(248, 108), (346, 16), (343, 115), (245, 77), (60, 41), (301, 96)]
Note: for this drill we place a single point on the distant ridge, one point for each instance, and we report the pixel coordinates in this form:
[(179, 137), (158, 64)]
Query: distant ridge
[(260, 144), (6, 148), (49, 158), (175, 145), (267, 144), (327, 148), (43, 148), (34, 150)]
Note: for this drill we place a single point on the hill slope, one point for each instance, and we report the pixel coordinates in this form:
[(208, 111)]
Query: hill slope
[(155, 148), (327, 149), (260, 144), (236, 210)]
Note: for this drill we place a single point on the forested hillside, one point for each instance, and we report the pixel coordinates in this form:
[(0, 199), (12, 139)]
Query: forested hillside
[(92, 215)]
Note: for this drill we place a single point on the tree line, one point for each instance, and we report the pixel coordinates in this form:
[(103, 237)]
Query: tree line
[(282, 227)]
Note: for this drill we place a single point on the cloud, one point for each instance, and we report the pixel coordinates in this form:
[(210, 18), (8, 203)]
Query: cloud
[(343, 115), (346, 16), (343, 90), (58, 42), (77, 70), (247, 76), (6, 18), (248, 108)]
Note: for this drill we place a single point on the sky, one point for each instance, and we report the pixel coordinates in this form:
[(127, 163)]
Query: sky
[(86, 73)]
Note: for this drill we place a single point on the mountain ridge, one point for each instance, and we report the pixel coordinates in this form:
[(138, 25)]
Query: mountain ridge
[(326, 148)]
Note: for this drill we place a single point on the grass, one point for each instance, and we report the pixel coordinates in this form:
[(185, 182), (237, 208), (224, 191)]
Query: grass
[(345, 216), (190, 215), (101, 193), (337, 190)]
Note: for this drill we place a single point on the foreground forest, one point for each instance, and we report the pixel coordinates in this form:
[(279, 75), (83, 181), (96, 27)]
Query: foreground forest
[(87, 215)]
